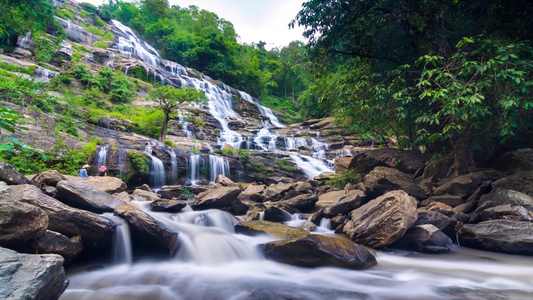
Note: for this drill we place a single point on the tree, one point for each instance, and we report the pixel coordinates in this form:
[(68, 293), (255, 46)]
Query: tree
[(170, 99)]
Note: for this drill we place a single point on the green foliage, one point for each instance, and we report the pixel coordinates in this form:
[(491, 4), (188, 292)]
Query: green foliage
[(187, 193), (88, 7), (108, 37), (229, 151), (285, 165), (83, 49), (139, 164), (90, 28), (170, 144), (341, 179), (25, 92), (12, 68), (248, 164), (198, 123), (97, 21), (100, 45), (44, 48), (66, 14)]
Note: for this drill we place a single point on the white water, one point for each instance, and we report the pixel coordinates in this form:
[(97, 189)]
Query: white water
[(295, 143), (122, 250), (310, 166), (173, 167), (218, 165), (193, 168), (215, 263), (25, 40), (157, 170), (130, 44), (101, 156), (265, 139), (185, 126), (265, 111)]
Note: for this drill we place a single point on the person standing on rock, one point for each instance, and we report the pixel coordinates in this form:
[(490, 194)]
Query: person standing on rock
[(83, 171), (102, 172)]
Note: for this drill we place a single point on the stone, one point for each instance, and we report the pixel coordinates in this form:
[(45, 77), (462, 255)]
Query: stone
[(500, 236), (67, 220), (216, 198), (347, 202), (466, 185), (424, 238), (342, 164), (48, 178), (303, 202), (435, 218), (499, 196), (514, 161), (303, 187), (317, 217), (323, 177), (276, 214), (49, 191), (147, 229), (277, 191), (382, 180), (124, 196), (56, 243), (144, 187), (142, 195), (506, 212), (407, 161), (9, 175), (319, 251), (520, 182), (382, 221), (21, 53), (170, 191), (20, 222), (84, 196), (224, 181), (450, 200), (275, 230), (171, 206), (108, 184), (29, 276)]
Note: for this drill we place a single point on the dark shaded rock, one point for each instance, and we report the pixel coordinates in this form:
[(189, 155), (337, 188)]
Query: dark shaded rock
[(424, 238), (450, 200), (407, 161), (466, 185), (506, 212), (484, 188), (515, 161), (317, 251), (303, 202), (382, 180), (84, 196), (9, 175), (28, 276), (383, 220), (48, 178), (237, 208), (148, 229), (317, 217), (520, 182), (143, 195), (170, 191), (275, 230), (67, 220), (437, 170), (434, 218), (56, 243), (20, 222), (499, 196), (49, 191), (171, 206), (347, 202), (216, 198), (276, 214), (500, 236)]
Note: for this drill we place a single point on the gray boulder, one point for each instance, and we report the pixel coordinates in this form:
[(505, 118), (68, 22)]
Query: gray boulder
[(466, 185), (408, 161), (84, 196), (424, 238), (170, 191), (48, 178), (515, 161), (56, 243), (499, 196), (171, 206), (216, 198), (346, 202), (20, 222), (27, 276), (382, 180), (9, 175), (303, 202), (500, 236), (520, 182)]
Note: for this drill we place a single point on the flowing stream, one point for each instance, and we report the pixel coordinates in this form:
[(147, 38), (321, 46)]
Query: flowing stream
[(215, 263)]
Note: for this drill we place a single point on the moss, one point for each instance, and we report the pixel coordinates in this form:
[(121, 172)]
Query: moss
[(90, 28), (101, 45), (108, 37), (65, 14), (83, 49)]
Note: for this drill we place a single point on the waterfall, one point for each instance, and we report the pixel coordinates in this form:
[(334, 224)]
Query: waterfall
[(265, 135), (310, 166), (25, 40), (173, 167), (295, 143), (122, 156), (185, 126), (218, 165), (319, 149), (122, 249), (101, 156), (265, 111), (128, 42), (157, 170), (193, 169)]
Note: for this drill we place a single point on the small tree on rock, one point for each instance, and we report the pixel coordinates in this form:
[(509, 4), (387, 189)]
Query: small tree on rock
[(170, 99)]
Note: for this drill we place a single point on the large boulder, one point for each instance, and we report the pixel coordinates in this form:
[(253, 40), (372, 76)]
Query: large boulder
[(106, 184), (515, 161), (216, 198), (67, 220), (499, 235), (20, 222), (499, 196), (408, 161), (437, 219), (424, 238), (48, 178), (520, 181), (143, 195), (382, 180), (342, 164), (84, 196), (146, 228), (9, 175), (275, 230), (56, 243), (506, 212), (28, 276), (383, 220), (170, 191), (317, 251), (303, 202), (346, 202), (276, 214), (277, 191), (466, 185), (171, 206)]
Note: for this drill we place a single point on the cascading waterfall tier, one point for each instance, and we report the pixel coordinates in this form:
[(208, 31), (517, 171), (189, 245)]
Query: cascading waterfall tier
[(157, 169)]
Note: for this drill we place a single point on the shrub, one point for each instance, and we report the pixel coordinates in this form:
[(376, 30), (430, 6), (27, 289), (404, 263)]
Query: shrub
[(229, 151), (170, 144), (100, 45), (341, 179), (285, 165), (97, 21)]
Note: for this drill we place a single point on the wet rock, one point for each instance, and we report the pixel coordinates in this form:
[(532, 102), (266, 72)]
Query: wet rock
[(408, 161), (276, 214), (65, 219), (382, 221), (424, 238), (318, 251), (382, 180), (56, 243), (347, 201), (170, 191), (435, 218), (466, 185), (48, 178), (9, 175), (27, 276), (124, 196), (148, 229), (108, 184), (84, 196), (506, 212), (317, 217), (515, 161), (143, 195), (303, 203), (171, 206), (224, 181), (500, 236), (520, 182), (20, 222), (275, 230), (216, 198)]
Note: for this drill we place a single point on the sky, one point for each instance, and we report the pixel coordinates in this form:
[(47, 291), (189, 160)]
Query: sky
[(254, 20)]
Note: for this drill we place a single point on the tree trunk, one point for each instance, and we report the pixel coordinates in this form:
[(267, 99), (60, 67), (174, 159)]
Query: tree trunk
[(463, 162), (163, 135)]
